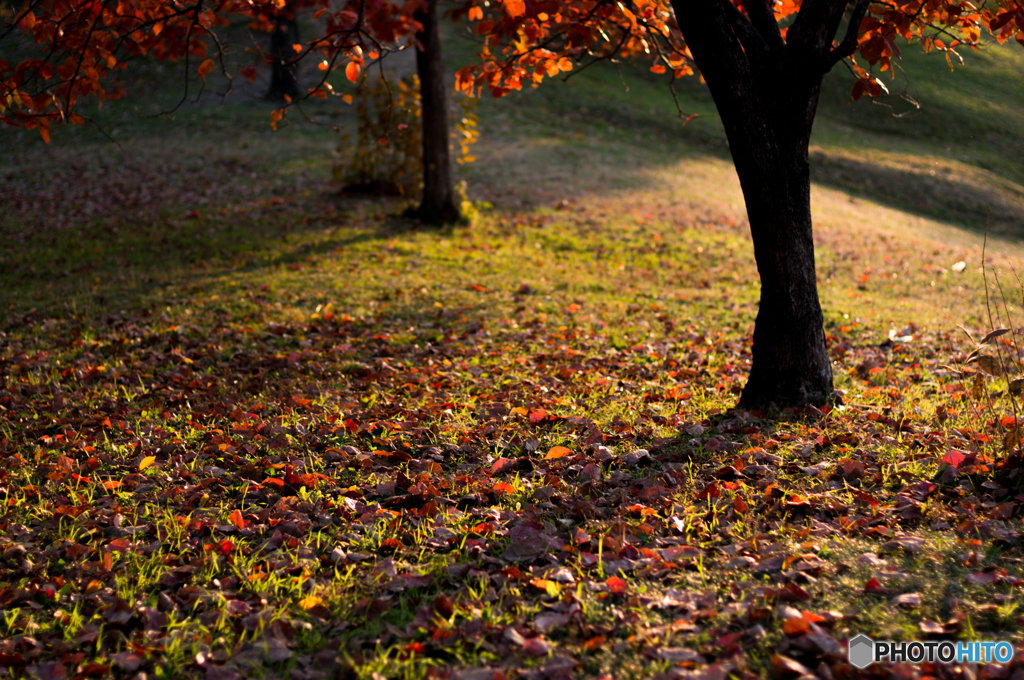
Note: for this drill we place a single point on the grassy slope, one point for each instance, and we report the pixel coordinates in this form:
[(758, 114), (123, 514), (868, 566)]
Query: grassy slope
[(196, 286)]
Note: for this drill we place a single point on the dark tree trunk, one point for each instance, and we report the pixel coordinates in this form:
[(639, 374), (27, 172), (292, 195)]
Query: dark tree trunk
[(284, 81), (766, 91), (439, 205)]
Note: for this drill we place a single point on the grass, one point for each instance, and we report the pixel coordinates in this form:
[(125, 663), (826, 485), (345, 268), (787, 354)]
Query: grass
[(252, 426)]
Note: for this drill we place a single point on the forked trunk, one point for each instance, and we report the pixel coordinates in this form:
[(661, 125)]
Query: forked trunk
[(766, 89), (439, 205), (284, 81)]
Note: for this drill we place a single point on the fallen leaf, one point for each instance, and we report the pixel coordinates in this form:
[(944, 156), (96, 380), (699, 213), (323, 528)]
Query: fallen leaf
[(558, 452)]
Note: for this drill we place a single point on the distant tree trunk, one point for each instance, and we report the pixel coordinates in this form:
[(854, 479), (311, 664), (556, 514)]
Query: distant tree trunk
[(766, 90), (439, 205), (284, 71)]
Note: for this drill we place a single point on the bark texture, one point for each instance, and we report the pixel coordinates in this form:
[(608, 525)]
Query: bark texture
[(439, 203), (766, 90), (284, 79)]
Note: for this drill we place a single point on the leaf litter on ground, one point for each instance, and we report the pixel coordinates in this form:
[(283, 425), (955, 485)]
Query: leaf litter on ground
[(439, 469)]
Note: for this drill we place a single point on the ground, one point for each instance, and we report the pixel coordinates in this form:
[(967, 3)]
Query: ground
[(254, 427)]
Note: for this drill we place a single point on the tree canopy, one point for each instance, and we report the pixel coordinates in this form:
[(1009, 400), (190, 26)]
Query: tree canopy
[(82, 45)]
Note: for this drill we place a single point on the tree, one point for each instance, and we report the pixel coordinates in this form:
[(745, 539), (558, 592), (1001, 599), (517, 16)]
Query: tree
[(764, 63), (284, 81), (439, 203), (80, 45)]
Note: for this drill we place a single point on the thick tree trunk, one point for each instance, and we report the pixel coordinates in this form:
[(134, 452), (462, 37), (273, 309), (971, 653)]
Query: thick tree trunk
[(791, 364), (766, 91), (439, 205), (284, 81)]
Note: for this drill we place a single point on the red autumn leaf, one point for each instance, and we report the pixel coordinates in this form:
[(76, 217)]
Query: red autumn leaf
[(953, 458), (616, 585), (501, 465), (872, 587)]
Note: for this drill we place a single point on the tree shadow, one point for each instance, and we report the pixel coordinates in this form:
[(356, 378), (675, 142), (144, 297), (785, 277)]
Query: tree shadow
[(960, 195)]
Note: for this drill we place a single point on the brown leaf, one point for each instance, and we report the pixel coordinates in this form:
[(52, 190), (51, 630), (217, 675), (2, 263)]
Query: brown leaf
[(989, 364), (909, 600), (679, 655), (129, 661), (786, 667), (992, 335), (1016, 387), (536, 646)]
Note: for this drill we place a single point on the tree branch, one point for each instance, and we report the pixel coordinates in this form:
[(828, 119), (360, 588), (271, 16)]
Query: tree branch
[(754, 43), (763, 19), (849, 44)]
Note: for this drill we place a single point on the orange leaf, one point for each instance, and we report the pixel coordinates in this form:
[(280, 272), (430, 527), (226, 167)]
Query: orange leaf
[(630, 17), (475, 14), (275, 116), (347, 98), (236, 519), (616, 585), (558, 452), (205, 68), (503, 487), (323, 66), (795, 626), (45, 134), (297, 47), (657, 68), (514, 8), (1008, 422), (352, 71)]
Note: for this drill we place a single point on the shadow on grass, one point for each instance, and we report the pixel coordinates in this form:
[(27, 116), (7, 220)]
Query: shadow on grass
[(963, 197)]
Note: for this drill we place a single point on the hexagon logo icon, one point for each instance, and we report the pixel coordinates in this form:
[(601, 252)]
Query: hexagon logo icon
[(861, 651)]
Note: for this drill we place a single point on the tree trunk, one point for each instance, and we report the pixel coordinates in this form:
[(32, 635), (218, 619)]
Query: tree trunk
[(791, 364), (439, 205), (284, 81), (766, 91)]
